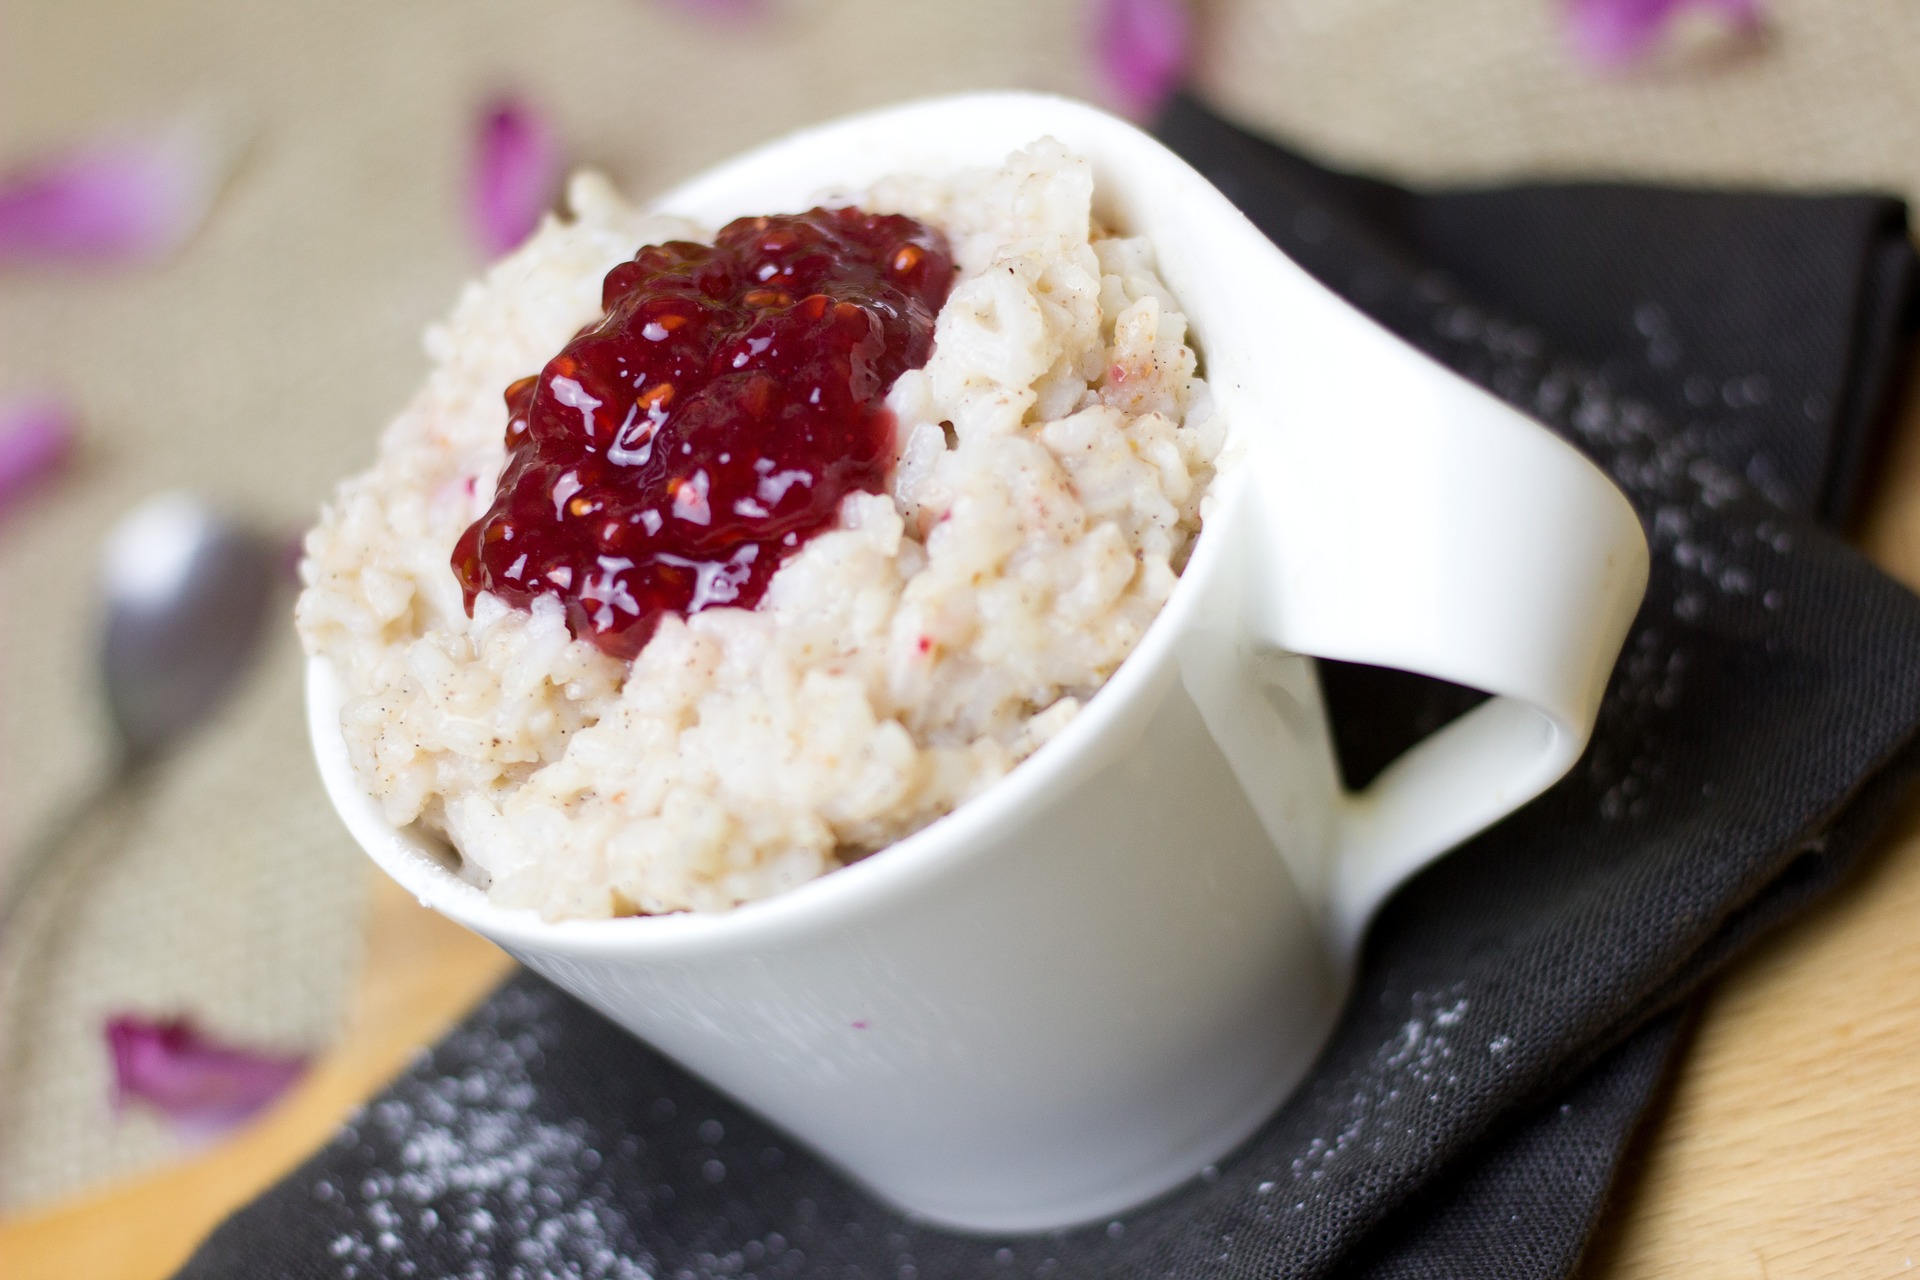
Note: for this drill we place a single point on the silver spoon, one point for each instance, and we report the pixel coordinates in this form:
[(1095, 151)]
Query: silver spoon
[(186, 594)]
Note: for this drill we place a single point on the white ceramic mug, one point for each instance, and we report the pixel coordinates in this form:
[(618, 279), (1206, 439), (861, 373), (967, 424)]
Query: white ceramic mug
[(1087, 984)]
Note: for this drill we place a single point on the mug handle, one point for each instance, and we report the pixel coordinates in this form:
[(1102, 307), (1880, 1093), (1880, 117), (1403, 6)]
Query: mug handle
[(1412, 520)]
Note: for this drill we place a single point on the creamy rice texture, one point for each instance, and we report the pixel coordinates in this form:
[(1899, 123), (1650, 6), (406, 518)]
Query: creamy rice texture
[(1054, 453)]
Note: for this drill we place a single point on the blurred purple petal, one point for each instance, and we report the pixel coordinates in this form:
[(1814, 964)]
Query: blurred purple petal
[(203, 1087), (516, 173), (293, 549), (722, 10), (1612, 33), (1141, 49), (36, 438), (121, 198)]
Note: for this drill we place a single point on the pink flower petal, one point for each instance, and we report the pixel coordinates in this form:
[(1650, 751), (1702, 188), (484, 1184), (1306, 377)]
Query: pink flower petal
[(36, 438), (1141, 49), (1612, 33), (203, 1087), (722, 10), (516, 173), (293, 549), (122, 198)]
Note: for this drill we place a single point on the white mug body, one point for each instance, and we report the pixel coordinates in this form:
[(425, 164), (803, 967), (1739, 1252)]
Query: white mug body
[(1109, 990), (1064, 999), (1101, 975)]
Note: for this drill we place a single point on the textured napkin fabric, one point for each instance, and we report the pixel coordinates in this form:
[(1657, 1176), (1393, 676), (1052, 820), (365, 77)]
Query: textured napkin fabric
[(1722, 356)]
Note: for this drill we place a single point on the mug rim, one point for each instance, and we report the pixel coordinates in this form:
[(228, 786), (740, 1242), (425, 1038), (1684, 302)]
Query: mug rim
[(411, 858)]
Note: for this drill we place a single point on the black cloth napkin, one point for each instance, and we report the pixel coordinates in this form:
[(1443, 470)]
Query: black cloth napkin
[(1724, 357)]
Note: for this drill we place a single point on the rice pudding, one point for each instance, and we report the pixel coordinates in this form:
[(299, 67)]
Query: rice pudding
[(809, 680)]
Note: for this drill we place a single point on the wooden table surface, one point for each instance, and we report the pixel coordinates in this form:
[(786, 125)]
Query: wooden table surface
[(1787, 1146)]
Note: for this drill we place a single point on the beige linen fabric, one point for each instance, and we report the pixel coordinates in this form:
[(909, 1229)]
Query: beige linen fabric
[(1487, 89), (259, 364)]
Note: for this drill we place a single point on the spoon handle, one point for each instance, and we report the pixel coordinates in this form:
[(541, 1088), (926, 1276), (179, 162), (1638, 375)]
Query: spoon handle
[(27, 867)]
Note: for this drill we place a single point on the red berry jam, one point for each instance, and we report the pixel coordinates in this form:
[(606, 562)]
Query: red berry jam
[(674, 453)]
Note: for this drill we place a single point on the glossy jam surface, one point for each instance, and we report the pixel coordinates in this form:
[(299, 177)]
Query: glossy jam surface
[(674, 453)]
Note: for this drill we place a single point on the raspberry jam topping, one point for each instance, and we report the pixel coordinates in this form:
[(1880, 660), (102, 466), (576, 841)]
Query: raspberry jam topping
[(673, 453)]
